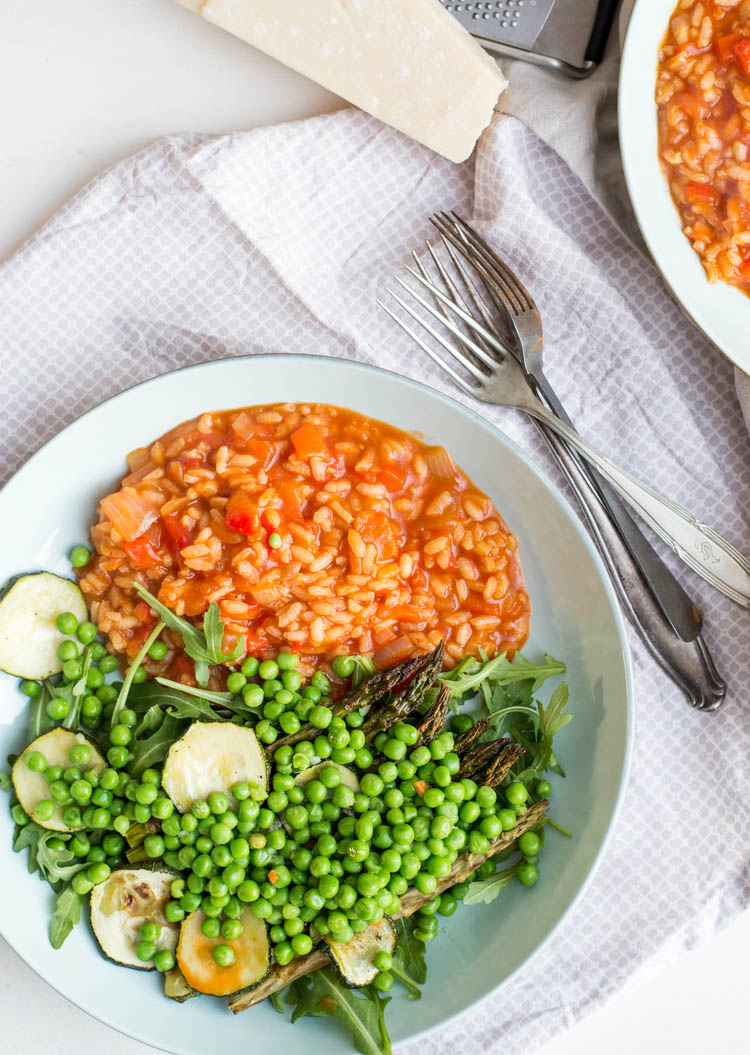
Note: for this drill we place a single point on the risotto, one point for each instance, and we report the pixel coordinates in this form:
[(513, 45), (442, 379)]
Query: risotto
[(703, 99), (312, 527)]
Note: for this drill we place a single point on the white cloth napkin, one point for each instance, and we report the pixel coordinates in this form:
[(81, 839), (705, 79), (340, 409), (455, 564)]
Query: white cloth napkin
[(279, 239)]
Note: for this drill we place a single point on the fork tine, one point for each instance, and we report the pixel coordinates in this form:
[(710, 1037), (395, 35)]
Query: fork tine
[(455, 352), (475, 295), (499, 287), (521, 292), (470, 321), (460, 381)]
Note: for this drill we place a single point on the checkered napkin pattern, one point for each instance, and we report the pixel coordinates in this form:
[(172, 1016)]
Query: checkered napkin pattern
[(279, 240)]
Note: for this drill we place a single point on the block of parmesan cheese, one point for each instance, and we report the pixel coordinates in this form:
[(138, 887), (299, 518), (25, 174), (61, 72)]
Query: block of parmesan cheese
[(408, 62)]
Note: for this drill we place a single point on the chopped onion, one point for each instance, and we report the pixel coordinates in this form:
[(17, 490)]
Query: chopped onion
[(130, 512), (393, 652), (440, 463), (137, 458)]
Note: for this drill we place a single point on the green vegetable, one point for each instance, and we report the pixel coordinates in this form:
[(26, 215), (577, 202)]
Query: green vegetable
[(361, 1012), (135, 666), (203, 646), (66, 915), (486, 890)]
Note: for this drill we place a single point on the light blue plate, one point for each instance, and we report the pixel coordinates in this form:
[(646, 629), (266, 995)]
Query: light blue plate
[(575, 618)]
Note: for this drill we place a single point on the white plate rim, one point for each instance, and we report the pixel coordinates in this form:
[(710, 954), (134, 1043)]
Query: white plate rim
[(719, 311), (565, 509)]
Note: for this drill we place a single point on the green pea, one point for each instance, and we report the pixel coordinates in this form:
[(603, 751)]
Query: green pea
[(223, 955), (98, 872), (218, 802), (268, 670), (289, 722), (302, 944), (543, 789), (343, 666), (163, 960), (36, 762), (527, 873), (79, 558), (67, 650), (174, 912), (321, 716), (248, 891), (118, 757), (486, 798), (478, 843), (158, 651), (80, 884), (107, 665), (529, 844), (66, 623), (86, 632), (516, 793), (249, 666), (44, 810)]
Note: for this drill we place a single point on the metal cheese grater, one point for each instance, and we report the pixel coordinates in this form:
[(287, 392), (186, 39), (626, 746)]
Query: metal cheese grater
[(515, 28)]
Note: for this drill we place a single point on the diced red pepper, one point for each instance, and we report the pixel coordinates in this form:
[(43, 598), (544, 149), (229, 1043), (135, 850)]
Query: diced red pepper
[(420, 786), (742, 55), (700, 192), (405, 613), (725, 46), (176, 535), (307, 441), (142, 553), (242, 514), (745, 268), (392, 478)]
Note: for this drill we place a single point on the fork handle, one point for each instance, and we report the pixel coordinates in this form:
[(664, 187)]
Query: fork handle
[(687, 663), (699, 546), (682, 614)]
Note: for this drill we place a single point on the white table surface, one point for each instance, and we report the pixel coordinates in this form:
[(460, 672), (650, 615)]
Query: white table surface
[(84, 83)]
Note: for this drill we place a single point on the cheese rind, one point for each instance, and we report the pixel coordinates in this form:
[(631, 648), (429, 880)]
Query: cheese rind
[(408, 62)]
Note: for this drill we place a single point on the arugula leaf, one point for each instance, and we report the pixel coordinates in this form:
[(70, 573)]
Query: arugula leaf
[(471, 674), (77, 692), (6, 784), (53, 864), (322, 994), (363, 668), (122, 697), (183, 700), (410, 953), (483, 891), (203, 646), (39, 720), (148, 751), (67, 913), (189, 707)]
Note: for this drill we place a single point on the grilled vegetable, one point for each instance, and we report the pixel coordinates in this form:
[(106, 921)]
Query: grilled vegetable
[(348, 777), (404, 703), (354, 960), (29, 638), (212, 756), (121, 905), (31, 786), (433, 721), (201, 972), (176, 988)]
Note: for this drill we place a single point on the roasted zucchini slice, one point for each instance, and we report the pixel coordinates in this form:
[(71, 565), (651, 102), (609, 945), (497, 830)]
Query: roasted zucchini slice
[(121, 905), (29, 638), (348, 776), (212, 756), (31, 787), (252, 956), (353, 960), (175, 986)]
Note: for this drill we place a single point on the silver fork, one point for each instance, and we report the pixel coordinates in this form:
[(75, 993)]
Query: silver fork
[(519, 309), (687, 663), (500, 380)]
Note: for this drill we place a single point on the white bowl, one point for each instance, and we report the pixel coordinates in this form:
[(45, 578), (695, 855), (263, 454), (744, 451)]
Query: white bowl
[(47, 508), (719, 310)]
